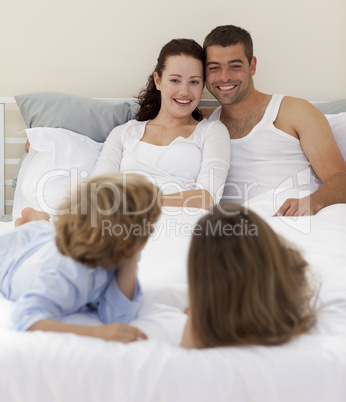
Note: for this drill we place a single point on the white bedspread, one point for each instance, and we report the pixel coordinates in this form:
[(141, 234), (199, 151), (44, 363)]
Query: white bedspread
[(42, 367)]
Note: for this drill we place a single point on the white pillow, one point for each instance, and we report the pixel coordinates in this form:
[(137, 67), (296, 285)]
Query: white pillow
[(58, 161), (338, 125)]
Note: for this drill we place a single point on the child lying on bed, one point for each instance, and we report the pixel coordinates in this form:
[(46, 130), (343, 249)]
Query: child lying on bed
[(246, 286), (85, 262)]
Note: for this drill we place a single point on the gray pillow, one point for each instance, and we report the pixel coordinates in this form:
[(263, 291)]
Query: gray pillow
[(331, 107), (91, 117)]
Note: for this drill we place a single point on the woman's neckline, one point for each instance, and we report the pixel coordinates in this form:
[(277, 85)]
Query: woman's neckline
[(175, 139)]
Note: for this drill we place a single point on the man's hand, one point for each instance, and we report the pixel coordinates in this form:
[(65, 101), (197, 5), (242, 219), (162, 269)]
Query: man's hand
[(297, 207)]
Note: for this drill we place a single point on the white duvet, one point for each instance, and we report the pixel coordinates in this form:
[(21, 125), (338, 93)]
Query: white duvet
[(42, 367)]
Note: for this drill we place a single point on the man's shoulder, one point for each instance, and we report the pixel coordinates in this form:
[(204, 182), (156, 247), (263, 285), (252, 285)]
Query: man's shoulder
[(299, 109), (291, 103), (296, 114), (213, 114), (208, 111)]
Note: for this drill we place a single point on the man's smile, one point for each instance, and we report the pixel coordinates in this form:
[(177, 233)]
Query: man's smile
[(225, 87)]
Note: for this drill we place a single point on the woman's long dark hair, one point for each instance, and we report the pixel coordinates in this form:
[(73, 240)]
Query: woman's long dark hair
[(149, 98)]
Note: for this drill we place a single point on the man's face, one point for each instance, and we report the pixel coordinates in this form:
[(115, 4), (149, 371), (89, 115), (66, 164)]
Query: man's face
[(228, 73)]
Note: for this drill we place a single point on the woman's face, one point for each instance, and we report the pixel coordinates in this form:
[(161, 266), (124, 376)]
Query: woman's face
[(181, 85)]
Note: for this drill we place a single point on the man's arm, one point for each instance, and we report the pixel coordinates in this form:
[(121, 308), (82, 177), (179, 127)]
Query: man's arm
[(302, 120)]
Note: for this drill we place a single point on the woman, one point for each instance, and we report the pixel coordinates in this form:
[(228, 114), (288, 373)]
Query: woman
[(187, 157), (246, 286)]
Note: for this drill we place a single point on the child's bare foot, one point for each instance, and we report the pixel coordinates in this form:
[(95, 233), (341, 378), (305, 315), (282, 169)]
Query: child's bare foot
[(19, 221), (29, 215)]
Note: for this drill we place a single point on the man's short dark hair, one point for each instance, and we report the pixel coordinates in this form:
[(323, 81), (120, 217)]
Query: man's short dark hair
[(228, 35)]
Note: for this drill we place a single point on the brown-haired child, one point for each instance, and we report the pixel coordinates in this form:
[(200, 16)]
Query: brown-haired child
[(86, 261), (246, 285)]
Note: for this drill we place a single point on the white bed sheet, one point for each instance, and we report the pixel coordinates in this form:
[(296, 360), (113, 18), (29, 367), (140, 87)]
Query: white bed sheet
[(41, 367)]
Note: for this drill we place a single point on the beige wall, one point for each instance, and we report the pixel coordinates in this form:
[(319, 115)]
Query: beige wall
[(107, 48)]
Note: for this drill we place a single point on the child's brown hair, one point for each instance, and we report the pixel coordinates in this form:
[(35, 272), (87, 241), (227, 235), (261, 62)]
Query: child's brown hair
[(246, 286), (110, 219)]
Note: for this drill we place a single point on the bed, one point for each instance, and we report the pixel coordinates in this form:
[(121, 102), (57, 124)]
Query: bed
[(42, 367)]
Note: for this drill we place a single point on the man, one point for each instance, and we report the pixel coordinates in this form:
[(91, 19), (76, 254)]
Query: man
[(276, 142)]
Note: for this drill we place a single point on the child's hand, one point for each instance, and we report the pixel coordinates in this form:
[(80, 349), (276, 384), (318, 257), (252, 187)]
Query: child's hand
[(119, 332), (109, 332)]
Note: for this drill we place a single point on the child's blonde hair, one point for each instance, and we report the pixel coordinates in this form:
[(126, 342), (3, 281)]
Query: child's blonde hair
[(245, 285), (110, 219)]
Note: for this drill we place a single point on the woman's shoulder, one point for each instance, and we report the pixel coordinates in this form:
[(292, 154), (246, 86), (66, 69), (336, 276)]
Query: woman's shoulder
[(134, 122), (212, 127), (128, 124), (123, 129)]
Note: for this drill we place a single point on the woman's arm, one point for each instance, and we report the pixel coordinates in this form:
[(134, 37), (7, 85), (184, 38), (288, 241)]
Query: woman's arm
[(112, 153), (109, 332), (216, 160), (191, 198)]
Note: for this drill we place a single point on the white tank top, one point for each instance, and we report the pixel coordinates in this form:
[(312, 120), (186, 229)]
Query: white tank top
[(267, 159)]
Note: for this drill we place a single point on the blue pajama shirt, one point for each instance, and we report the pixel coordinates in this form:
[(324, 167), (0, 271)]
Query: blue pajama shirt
[(47, 285)]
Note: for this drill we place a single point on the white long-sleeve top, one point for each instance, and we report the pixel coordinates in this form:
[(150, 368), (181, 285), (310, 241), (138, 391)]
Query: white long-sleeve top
[(200, 161)]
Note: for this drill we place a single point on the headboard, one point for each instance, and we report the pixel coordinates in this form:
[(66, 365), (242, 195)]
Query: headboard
[(6, 201), (3, 160)]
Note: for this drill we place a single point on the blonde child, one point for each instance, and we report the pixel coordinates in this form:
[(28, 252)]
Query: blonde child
[(85, 262), (246, 286)]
